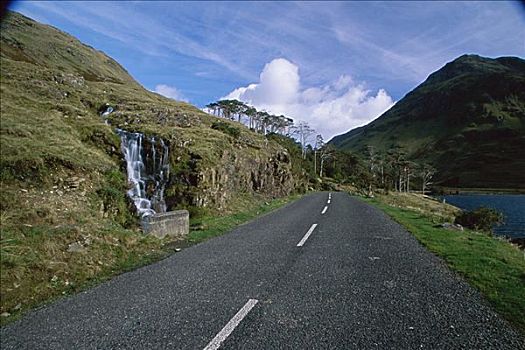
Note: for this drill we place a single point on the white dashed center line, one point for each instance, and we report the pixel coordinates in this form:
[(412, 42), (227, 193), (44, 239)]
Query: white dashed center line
[(324, 210), (300, 244), (230, 326)]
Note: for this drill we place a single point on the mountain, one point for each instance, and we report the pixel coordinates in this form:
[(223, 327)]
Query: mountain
[(467, 120)]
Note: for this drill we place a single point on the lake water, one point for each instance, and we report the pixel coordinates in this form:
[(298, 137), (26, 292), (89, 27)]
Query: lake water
[(512, 207)]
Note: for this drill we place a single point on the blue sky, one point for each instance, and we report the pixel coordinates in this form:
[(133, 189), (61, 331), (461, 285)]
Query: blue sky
[(339, 64)]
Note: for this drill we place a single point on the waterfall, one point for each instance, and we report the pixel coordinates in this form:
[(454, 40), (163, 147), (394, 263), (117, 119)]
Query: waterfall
[(148, 171)]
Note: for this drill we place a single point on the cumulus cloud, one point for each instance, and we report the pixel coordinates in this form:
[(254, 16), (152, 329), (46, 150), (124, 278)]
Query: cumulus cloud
[(331, 109), (170, 92)]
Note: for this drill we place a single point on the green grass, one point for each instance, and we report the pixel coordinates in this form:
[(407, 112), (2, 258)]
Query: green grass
[(36, 266), (495, 267)]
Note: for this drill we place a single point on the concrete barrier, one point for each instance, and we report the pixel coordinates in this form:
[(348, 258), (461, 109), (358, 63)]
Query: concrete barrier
[(173, 223)]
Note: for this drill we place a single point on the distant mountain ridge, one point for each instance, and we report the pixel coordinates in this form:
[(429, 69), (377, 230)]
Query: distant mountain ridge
[(467, 119)]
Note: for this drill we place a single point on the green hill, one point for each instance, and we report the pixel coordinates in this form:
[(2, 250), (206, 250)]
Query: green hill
[(467, 120), (63, 175)]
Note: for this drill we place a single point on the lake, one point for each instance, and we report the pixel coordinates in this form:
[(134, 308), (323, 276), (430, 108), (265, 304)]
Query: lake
[(512, 207)]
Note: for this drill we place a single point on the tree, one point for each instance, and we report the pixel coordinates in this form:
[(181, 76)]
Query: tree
[(408, 173), (319, 143), (250, 112), (258, 121), (396, 163), (214, 107), (283, 123), (371, 160), (265, 121), (229, 108), (304, 132), (426, 173), (326, 152)]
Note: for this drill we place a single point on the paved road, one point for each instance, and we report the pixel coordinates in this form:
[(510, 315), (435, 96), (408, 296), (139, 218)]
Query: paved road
[(358, 281)]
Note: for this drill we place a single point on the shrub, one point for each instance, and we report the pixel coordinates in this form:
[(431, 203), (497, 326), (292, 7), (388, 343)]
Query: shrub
[(481, 219), (226, 128)]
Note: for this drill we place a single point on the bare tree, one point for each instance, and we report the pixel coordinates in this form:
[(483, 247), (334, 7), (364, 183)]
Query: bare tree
[(326, 152), (304, 132), (426, 174), (371, 159), (319, 143)]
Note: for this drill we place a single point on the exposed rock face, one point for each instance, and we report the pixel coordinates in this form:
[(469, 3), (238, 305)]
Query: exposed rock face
[(238, 173)]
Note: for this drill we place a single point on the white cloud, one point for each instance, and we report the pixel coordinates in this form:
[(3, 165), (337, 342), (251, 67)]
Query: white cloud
[(170, 92), (278, 84), (331, 109)]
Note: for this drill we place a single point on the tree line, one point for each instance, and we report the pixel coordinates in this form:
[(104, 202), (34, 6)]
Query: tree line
[(394, 171), (390, 171), (266, 123), (258, 121)]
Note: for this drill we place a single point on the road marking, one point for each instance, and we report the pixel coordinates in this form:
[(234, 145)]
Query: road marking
[(300, 244), (324, 210), (230, 326), (328, 201)]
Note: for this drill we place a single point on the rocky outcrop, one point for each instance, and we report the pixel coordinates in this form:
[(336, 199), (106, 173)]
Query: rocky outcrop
[(238, 172)]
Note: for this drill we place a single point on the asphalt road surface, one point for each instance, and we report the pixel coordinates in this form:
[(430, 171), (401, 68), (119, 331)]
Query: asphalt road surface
[(325, 272)]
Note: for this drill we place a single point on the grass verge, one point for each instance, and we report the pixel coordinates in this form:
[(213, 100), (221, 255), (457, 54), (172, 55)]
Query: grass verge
[(495, 267), (209, 226), (38, 268)]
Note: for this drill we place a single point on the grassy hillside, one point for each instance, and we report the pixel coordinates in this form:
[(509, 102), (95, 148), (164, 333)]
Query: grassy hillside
[(467, 120), (65, 218)]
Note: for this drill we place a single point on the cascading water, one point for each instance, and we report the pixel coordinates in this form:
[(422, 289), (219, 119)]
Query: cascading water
[(148, 171)]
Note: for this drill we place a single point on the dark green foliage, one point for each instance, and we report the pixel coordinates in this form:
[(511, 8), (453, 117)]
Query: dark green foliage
[(467, 120), (226, 128), (343, 166), (481, 219)]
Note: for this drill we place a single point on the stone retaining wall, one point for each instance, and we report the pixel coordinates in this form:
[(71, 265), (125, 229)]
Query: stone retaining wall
[(173, 223)]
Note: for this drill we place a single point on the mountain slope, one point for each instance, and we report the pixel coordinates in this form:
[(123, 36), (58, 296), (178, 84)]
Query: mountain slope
[(467, 120), (63, 175)]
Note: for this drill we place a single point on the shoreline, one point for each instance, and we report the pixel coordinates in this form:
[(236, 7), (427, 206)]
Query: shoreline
[(515, 238), (444, 191)]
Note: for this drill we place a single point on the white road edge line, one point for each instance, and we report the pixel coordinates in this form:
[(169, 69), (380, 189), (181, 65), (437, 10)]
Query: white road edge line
[(324, 210), (328, 201), (230, 326), (300, 244)]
